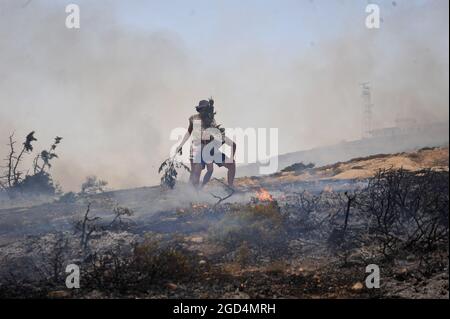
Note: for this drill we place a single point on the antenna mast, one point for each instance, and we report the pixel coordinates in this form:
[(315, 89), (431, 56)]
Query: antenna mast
[(366, 127)]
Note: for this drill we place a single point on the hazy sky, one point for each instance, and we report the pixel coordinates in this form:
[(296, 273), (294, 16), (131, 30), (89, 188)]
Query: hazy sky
[(115, 88)]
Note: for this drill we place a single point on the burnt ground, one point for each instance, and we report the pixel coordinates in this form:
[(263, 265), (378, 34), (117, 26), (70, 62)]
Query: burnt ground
[(290, 240)]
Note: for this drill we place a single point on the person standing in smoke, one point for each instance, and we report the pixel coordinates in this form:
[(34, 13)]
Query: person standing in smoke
[(207, 138)]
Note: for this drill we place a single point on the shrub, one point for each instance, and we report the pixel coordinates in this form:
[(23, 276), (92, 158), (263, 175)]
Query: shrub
[(261, 226), (147, 264), (407, 211), (16, 182), (93, 185), (38, 184), (298, 167)]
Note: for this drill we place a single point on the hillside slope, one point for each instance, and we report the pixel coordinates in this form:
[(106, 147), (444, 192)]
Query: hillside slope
[(433, 136), (358, 168), (295, 234)]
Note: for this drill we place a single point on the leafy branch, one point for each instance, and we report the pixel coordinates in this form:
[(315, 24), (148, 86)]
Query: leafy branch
[(169, 172), (46, 156)]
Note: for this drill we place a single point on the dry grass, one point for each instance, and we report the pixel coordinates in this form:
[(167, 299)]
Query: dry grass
[(257, 227)]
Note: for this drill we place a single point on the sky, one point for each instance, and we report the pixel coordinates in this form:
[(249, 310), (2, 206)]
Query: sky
[(115, 88)]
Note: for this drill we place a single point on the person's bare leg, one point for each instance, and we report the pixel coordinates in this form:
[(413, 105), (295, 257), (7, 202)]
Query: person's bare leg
[(231, 167), (191, 173), (198, 173), (209, 172), (196, 170)]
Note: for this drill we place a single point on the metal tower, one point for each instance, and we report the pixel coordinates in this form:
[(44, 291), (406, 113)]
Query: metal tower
[(366, 127)]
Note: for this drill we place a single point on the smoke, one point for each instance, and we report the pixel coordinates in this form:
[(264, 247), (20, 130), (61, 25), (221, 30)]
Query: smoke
[(115, 92), (108, 92)]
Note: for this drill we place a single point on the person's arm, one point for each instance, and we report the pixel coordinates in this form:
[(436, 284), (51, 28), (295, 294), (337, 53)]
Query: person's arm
[(186, 137), (232, 144)]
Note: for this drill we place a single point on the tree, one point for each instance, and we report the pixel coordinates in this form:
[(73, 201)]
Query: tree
[(15, 180)]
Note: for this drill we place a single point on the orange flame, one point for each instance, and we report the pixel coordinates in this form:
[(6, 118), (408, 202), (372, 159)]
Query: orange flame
[(263, 195)]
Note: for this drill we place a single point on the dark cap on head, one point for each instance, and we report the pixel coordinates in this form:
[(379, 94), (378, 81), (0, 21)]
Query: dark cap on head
[(202, 104)]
